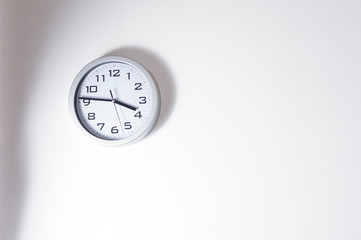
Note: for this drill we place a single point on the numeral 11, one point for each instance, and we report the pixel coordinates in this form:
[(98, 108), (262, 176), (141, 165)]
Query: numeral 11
[(101, 77)]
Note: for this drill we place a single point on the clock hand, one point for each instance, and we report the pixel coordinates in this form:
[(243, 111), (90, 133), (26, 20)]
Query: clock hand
[(116, 110), (97, 99), (121, 103), (125, 105)]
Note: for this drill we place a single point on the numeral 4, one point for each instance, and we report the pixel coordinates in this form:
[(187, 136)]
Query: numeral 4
[(138, 114)]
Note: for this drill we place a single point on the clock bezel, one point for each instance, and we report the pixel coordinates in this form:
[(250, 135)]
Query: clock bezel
[(153, 116)]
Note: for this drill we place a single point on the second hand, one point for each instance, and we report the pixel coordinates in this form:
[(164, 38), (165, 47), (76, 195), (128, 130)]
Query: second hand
[(116, 110)]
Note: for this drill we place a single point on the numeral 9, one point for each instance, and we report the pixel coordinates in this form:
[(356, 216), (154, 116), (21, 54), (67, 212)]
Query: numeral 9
[(86, 102)]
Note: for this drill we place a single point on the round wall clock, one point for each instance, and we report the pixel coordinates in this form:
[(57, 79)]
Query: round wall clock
[(115, 100)]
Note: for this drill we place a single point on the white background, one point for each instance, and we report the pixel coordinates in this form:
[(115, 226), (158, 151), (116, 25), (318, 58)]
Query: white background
[(259, 135)]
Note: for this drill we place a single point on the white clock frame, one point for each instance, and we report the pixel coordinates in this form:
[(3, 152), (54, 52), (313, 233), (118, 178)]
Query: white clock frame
[(148, 125)]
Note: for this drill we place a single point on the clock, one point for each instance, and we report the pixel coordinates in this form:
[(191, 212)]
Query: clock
[(115, 100)]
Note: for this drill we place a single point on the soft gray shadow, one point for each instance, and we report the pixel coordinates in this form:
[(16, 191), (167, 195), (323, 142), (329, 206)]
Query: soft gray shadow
[(161, 73), (23, 28)]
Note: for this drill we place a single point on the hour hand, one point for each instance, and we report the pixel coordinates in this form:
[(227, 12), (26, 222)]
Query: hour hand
[(125, 105), (121, 103)]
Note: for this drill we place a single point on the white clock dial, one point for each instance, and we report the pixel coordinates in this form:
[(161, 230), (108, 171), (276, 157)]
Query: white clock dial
[(115, 100)]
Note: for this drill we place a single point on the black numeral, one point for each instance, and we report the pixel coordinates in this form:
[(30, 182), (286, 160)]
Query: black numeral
[(114, 130), (91, 116), (127, 125), (138, 86), (114, 73), (101, 77), (101, 124), (138, 114), (86, 102), (128, 76), (143, 100), (91, 89)]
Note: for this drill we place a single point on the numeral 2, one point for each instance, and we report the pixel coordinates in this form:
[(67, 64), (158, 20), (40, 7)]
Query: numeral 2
[(138, 86)]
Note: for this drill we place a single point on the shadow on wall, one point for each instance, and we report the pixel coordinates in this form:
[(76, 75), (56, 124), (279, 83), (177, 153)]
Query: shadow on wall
[(24, 28), (161, 74)]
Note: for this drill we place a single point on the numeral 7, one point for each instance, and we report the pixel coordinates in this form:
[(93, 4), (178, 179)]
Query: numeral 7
[(101, 124)]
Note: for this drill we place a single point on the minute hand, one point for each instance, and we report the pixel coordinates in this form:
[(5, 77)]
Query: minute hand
[(96, 99), (111, 100)]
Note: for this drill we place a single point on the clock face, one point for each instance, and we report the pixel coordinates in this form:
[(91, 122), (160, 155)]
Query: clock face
[(115, 100)]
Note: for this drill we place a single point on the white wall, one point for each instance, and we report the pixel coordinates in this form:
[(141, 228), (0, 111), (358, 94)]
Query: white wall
[(258, 138)]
